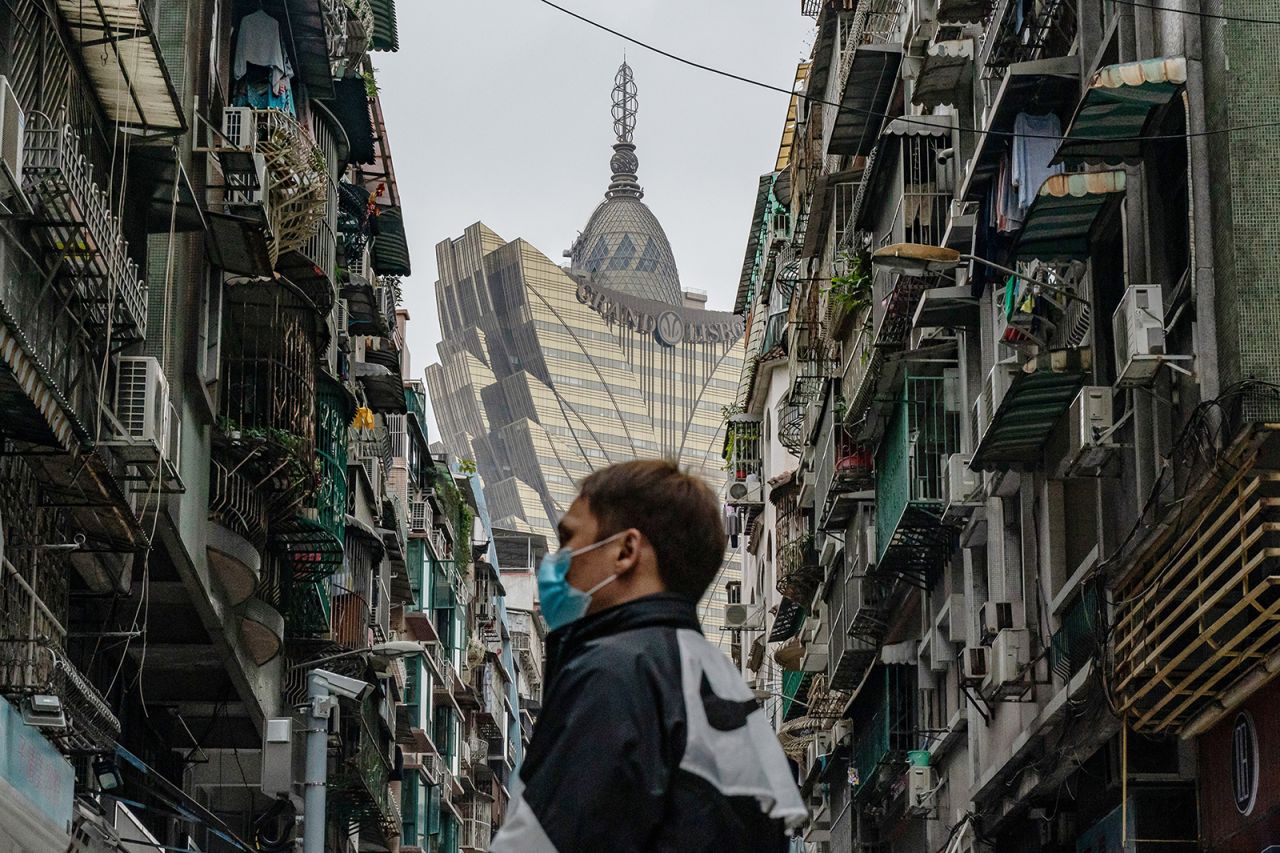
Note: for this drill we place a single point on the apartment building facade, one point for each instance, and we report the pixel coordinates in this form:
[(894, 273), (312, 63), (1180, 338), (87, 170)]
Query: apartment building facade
[(216, 476), (1009, 388)]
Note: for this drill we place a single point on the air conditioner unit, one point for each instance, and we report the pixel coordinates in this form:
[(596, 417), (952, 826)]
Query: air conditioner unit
[(1010, 660), (921, 786), (869, 545), (997, 384), (142, 401), (743, 617), (748, 491), (962, 490), (1138, 329), (977, 665), (419, 517), (248, 189), (12, 134), (373, 468), (842, 732), (997, 616), (1089, 440), (816, 657), (240, 127), (342, 318)]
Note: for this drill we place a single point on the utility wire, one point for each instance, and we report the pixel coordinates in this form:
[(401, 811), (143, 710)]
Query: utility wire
[(1138, 4), (917, 120)]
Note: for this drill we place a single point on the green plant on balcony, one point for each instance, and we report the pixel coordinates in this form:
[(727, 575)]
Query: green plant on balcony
[(851, 291)]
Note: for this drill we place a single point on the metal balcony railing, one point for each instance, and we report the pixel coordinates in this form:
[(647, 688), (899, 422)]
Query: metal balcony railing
[(73, 218), (359, 784), (1080, 636), (236, 504), (889, 729), (32, 661), (910, 469)]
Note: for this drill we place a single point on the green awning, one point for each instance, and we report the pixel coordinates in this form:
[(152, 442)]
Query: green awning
[(386, 36), (786, 624), (1028, 414), (1118, 109), (350, 106), (1059, 221), (390, 246), (872, 79), (795, 693)]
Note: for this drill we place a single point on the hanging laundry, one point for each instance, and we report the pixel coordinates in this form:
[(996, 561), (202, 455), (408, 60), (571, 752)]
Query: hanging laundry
[(1036, 141), (1008, 214), (732, 525), (261, 68)]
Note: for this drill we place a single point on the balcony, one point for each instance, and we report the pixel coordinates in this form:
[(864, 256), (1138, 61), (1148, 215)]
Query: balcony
[(476, 824), (275, 189), (267, 419), (844, 467), (798, 570), (1019, 408), (359, 782), (73, 219), (1049, 30), (1080, 636), (887, 711), (1199, 620), (860, 611), (32, 660), (237, 532), (923, 430), (312, 266)]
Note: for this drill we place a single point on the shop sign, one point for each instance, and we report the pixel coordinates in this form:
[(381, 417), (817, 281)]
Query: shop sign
[(1244, 762)]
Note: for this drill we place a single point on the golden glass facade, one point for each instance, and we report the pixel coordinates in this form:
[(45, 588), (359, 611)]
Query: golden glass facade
[(540, 387)]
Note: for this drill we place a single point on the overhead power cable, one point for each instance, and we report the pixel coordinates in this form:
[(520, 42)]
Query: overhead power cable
[(916, 120), (1138, 4)]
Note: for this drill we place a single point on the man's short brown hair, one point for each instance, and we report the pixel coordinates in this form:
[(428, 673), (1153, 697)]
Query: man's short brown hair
[(675, 511)]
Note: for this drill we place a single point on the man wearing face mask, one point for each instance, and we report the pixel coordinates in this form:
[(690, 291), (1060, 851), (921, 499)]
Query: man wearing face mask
[(648, 739)]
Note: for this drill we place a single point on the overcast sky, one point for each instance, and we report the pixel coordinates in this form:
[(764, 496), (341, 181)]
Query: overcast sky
[(499, 110)]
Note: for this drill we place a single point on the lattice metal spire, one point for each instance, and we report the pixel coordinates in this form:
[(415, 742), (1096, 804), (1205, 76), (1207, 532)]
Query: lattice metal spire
[(625, 164)]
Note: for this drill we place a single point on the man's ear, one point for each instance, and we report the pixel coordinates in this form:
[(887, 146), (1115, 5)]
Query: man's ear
[(629, 550)]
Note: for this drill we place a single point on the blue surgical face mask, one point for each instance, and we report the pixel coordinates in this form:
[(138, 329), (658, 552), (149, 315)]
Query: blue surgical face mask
[(563, 603)]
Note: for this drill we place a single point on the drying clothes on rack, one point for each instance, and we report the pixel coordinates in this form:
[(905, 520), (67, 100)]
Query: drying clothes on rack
[(1006, 214), (1037, 140), (732, 525), (261, 68)]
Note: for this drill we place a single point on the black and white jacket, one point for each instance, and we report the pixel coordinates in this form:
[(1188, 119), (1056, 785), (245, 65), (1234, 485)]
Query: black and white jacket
[(648, 740)]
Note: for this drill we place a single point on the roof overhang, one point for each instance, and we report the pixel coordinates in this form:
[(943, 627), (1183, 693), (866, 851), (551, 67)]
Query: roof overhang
[(1045, 85), (872, 79), (1060, 220), (1122, 102), (133, 84)]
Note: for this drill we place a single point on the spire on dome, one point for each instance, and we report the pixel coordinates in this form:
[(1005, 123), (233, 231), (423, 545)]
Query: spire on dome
[(625, 164)]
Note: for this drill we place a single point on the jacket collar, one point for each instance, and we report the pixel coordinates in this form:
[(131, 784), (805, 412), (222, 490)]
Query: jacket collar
[(663, 609)]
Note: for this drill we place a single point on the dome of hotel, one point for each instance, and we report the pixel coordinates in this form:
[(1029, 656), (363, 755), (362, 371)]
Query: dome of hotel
[(623, 246)]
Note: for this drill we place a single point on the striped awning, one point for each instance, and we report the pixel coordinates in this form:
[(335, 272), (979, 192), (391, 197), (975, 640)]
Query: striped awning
[(390, 246), (132, 82), (787, 623), (386, 36), (1059, 221), (1118, 109), (1027, 416)]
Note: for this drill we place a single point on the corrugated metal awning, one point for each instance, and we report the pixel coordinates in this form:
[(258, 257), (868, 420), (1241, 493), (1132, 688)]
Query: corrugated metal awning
[(753, 243), (786, 624), (1028, 414), (386, 35), (1060, 220), (872, 79), (1118, 108), (390, 249), (133, 84)]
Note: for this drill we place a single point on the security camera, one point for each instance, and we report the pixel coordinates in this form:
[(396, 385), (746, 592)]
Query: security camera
[(343, 685)]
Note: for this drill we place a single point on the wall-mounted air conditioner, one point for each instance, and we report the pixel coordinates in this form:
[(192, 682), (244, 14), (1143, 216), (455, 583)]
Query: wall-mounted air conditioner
[(997, 616), (240, 128), (1010, 663), (1138, 330), (373, 469), (743, 617), (921, 786), (997, 384), (1089, 440), (419, 517), (961, 490), (816, 657), (142, 401), (977, 665), (12, 137), (745, 491)]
